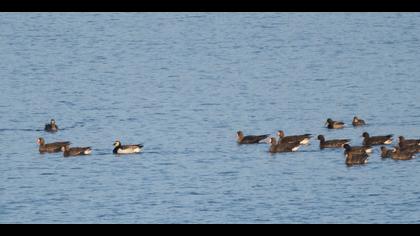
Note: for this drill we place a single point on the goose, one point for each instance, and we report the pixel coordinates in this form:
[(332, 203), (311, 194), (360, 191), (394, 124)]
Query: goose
[(250, 139), (386, 153), (358, 122), (376, 140), (400, 155), (331, 124), (282, 146), (302, 139), (50, 147), (334, 143), (126, 149), (51, 127), (408, 142), (76, 151), (355, 158)]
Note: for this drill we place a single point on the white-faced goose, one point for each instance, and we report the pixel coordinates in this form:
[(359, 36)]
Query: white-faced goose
[(376, 140), (283, 147), (408, 142), (331, 124), (51, 127), (334, 143), (358, 122), (126, 149), (50, 147), (250, 139), (302, 139), (353, 158), (76, 151)]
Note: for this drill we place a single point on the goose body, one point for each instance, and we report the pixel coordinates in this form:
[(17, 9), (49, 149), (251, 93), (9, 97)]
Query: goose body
[(50, 147), (334, 143), (331, 124), (353, 158), (386, 153), (408, 142), (358, 122), (376, 140), (250, 139), (302, 139), (76, 151), (401, 155), (283, 146), (51, 127), (126, 149)]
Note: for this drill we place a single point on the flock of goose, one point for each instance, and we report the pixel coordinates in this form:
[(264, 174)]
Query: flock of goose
[(405, 150), (78, 151)]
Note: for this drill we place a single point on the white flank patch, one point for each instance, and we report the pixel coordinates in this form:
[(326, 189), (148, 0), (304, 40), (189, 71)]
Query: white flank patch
[(295, 149), (389, 141), (305, 141), (89, 151), (368, 150)]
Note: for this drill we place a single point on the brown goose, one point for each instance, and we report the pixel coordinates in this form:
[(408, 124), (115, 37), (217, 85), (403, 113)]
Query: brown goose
[(51, 127), (283, 147), (334, 143), (76, 151), (376, 140), (398, 154), (354, 158), (408, 142), (126, 149), (331, 124), (250, 139), (386, 153), (302, 139), (50, 147), (360, 149), (358, 122), (409, 148)]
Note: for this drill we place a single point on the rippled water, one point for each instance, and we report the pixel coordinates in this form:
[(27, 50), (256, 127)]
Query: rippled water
[(183, 84)]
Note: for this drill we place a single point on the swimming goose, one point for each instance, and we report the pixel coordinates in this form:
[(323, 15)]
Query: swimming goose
[(398, 154), (334, 143), (360, 149), (355, 158), (50, 147), (250, 139), (386, 153), (302, 139), (76, 151), (376, 140), (331, 124), (126, 149), (51, 127), (408, 142), (283, 147), (358, 122)]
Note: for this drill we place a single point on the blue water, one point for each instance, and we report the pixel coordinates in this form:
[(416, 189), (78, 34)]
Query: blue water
[(183, 84)]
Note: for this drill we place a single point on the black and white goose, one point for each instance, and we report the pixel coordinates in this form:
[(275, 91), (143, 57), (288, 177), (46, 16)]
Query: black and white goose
[(126, 149)]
